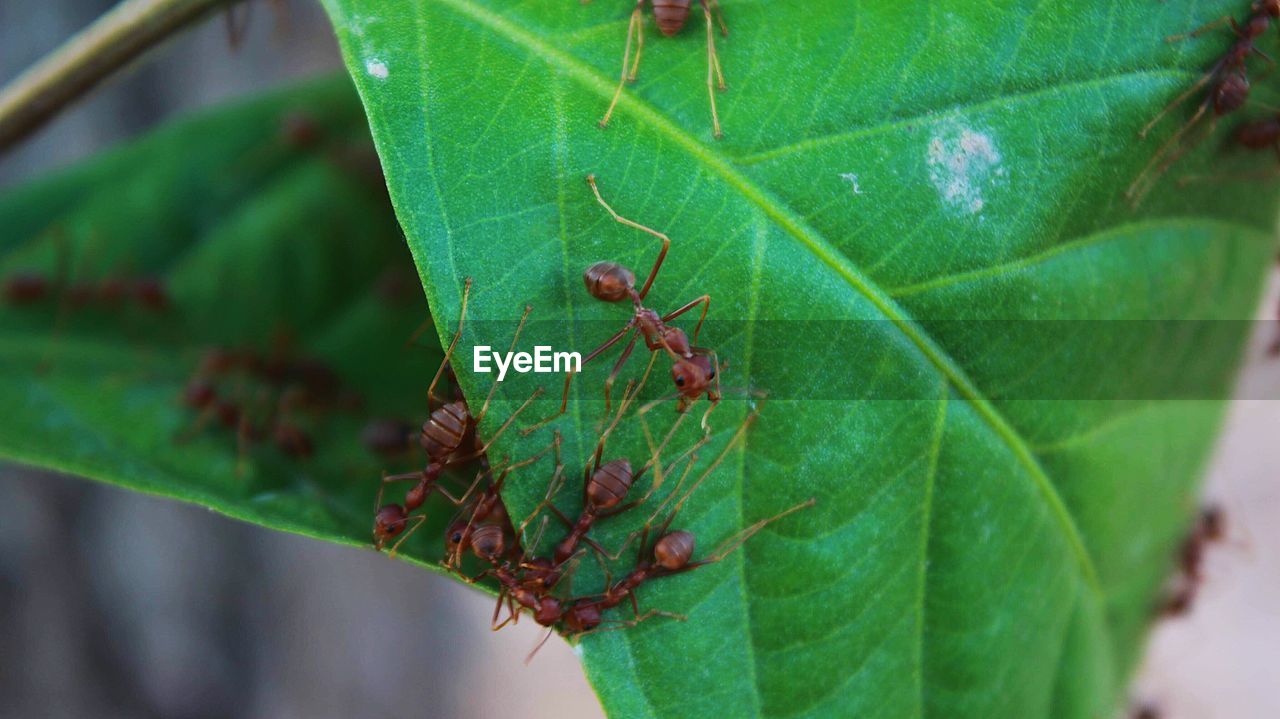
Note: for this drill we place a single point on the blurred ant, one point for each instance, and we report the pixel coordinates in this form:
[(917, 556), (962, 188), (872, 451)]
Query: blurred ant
[(1228, 84), (1210, 528), (29, 288), (387, 438), (671, 16)]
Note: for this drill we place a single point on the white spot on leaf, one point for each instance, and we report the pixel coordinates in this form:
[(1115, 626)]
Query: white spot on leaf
[(377, 68), (852, 179), (963, 163)]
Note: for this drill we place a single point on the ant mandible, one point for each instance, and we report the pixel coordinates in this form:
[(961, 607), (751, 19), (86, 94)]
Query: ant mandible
[(671, 16)]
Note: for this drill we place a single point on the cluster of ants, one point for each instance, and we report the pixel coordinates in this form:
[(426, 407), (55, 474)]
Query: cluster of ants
[(29, 289), (537, 583), (1226, 90), (263, 396)]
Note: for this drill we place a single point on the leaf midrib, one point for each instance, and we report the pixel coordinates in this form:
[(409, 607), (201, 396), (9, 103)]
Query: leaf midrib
[(806, 236)]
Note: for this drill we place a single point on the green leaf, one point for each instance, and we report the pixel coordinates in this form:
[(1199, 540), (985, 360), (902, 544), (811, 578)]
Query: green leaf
[(262, 242), (999, 496)]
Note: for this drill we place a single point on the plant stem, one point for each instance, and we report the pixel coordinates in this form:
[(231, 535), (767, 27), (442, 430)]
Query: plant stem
[(119, 36)]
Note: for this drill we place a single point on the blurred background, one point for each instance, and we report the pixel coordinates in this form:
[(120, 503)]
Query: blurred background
[(114, 604)]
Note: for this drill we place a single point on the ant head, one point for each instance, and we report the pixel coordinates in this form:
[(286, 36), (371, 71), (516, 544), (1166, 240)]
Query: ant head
[(488, 542), (456, 536), (548, 612), (387, 523), (1267, 7), (1213, 522), (693, 375), (674, 550), (609, 281), (583, 618)]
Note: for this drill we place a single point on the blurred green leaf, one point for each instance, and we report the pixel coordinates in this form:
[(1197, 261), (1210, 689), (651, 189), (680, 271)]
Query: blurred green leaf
[(269, 226), (997, 504)]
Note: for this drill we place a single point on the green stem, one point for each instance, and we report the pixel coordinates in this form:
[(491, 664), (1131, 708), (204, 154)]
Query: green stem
[(119, 36)]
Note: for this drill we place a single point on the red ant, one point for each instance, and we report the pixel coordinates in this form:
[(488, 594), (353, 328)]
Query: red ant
[(488, 508), (1210, 527), (606, 485), (1228, 83), (671, 16), (1254, 135), (27, 288), (693, 368), (449, 438), (671, 554), (296, 384)]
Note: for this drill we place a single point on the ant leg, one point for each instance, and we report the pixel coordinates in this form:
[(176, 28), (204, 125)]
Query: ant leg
[(510, 351), (713, 72), (388, 479), (564, 399), (1225, 19), (462, 316), (635, 66), (617, 367), (459, 501), (557, 481), (1144, 182), (1204, 80), (730, 545), (620, 624), (560, 515), (715, 7), (705, 301), (627, 396), (733, 441), (503, 427), (418, 520), (632, 27), (666, 241), (497, 609), (660, 474), (713, 395), (539, 645)]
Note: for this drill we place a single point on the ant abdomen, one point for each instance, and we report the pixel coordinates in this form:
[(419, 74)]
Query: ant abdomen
[(488, 541), (1259, 134), (609, 484), (442, 434), (671, 15), (674, 550), (609, 281)]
